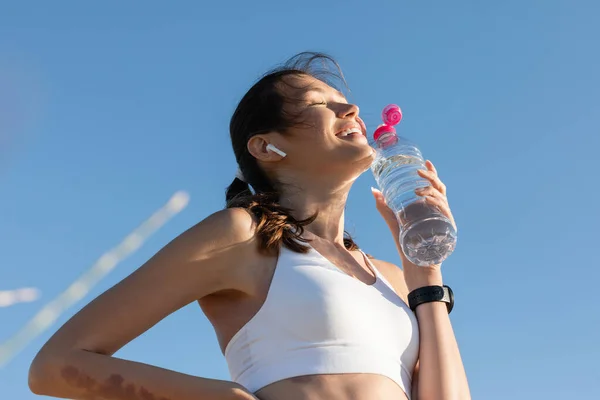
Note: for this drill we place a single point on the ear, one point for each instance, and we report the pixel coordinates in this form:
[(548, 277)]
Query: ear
[(257, 146)]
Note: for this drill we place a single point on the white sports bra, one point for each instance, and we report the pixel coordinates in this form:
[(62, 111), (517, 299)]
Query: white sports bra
[(317, 319)]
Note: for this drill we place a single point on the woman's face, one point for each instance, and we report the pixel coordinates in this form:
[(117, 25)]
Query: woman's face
[(331, 138)]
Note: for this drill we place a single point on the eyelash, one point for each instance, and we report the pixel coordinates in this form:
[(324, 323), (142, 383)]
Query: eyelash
[(321, 103)]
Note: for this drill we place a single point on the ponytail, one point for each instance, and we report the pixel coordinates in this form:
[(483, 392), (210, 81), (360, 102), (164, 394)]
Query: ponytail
[(238, 188), (275, 224)]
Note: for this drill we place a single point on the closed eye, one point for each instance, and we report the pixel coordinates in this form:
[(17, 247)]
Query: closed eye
[(320, 103)]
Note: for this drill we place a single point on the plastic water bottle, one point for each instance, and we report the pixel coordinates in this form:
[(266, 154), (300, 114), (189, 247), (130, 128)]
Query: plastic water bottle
[(427, 237)]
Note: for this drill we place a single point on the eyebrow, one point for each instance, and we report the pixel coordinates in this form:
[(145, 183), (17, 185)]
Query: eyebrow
[(324, 91)]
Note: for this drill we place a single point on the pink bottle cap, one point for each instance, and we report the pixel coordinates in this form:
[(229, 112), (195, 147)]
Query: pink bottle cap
[(391, 114), (383, 129)]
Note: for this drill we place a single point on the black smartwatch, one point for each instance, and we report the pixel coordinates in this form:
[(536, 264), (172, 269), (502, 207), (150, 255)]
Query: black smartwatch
[(428, 294)]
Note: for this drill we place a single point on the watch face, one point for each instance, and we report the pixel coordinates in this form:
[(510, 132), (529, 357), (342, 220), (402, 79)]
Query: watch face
[(451, 298)]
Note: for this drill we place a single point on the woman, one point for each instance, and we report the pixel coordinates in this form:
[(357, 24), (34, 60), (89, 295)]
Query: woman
[(299, 311)]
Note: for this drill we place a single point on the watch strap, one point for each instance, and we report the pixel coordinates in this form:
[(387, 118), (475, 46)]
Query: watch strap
[(429, 294)]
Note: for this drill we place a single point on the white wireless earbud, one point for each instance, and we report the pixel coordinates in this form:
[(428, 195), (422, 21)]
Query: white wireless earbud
[(276, 150)]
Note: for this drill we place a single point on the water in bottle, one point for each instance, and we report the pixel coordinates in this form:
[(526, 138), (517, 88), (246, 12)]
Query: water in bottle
[(427, 236)]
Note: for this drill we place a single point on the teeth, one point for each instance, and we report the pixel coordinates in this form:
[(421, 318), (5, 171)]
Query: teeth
[(350, 131)]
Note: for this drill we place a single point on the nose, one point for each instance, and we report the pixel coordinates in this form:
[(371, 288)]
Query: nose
[(348, 111)]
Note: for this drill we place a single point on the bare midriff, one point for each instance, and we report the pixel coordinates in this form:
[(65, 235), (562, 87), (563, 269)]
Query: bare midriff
[(333, 387)]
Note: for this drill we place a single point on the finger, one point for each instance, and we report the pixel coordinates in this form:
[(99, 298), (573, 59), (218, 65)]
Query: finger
[(380, 202), (430, 191), (386, 212), (434, 179), (443, 207), (431, 167), (379, 199)]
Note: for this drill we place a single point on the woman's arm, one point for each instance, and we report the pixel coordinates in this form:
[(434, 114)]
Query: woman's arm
[(77, 361), (86, 375), (440, 374)]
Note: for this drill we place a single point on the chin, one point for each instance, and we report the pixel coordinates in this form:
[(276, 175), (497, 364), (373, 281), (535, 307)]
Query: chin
[(367, 162), (364, 154), (359, 161)]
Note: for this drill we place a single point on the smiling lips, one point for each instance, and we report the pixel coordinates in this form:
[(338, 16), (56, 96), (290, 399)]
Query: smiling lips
[(352, 130)]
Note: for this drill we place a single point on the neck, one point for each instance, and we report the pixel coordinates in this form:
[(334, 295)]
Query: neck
[(325, 199)]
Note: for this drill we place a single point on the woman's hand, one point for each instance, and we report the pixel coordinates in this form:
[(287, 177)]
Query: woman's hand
[(435, 195)]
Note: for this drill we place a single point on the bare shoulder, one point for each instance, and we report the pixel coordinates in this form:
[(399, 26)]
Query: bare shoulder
[(394, 275), (230, 226), (205, 259), (226, 238), (223, 235), (238, 223)]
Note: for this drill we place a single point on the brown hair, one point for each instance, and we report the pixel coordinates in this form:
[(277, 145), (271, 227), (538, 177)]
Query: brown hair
[(261, 110)]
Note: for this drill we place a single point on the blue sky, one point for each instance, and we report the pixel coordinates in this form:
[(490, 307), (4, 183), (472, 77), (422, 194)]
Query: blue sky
[(108, 109)]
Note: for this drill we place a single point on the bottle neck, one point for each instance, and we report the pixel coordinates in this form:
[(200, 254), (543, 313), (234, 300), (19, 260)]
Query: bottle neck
[(386, 140)]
